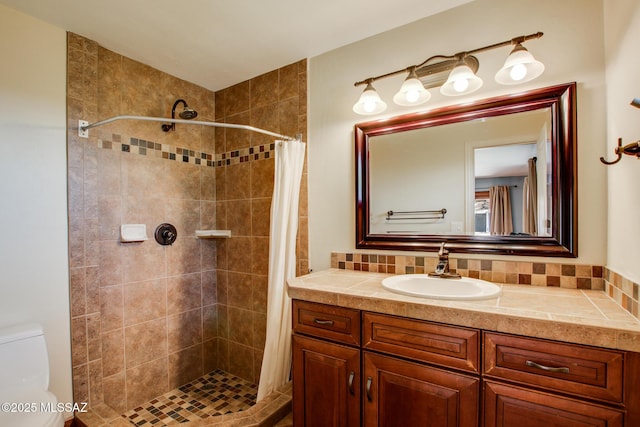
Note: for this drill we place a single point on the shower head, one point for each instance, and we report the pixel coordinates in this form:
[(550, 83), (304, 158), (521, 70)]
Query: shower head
[(186, 114)]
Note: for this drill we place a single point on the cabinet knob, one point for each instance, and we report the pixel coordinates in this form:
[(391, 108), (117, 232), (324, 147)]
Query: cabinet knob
[(323, 322), (352, 376)]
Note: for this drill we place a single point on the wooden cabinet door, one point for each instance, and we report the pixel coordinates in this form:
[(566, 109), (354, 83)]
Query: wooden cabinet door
[(398, 393), (326, 384), (509, 406)]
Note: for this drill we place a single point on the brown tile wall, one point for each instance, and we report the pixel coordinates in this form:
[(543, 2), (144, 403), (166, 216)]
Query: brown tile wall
[(515, 272), (145, 317), (275, 101)]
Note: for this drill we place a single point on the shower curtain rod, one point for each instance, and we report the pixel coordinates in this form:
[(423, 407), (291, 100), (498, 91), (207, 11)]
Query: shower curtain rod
[(84, 126)]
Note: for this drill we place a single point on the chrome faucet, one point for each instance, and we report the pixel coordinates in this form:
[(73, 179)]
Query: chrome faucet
[(442, 269), (443, 260)]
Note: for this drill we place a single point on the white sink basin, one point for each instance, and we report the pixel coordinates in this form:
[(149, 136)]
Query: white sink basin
[(422, 285)]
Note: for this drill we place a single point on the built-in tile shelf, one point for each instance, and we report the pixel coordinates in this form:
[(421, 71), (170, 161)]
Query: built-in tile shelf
[(213, 234)]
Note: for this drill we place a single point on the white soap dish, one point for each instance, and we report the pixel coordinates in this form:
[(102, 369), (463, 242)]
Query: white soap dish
[(133, 233), (213, 234)]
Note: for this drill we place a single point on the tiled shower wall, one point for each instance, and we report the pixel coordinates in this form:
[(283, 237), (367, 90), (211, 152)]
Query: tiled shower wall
[(145, 316), (275, 101)]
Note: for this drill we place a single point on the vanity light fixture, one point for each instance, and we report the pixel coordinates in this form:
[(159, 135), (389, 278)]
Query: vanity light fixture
[(455, 74), (461, 81), (369, 102), (520, 67), (412, 91)]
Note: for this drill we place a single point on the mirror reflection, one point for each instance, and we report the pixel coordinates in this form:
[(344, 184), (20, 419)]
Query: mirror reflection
[(493, 176), (416, 174)]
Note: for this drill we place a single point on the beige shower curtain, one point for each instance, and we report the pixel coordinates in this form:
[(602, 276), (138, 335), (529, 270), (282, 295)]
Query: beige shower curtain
[(530, 200), (276, 362), (500, 210)]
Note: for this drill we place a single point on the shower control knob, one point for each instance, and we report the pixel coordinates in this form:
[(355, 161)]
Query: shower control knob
[(166, 234)]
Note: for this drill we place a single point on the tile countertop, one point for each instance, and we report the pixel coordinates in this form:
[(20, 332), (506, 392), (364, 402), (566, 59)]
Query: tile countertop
[(571, 315)]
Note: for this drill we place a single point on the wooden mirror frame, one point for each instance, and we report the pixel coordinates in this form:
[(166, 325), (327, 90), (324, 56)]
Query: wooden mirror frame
[(563, 242)]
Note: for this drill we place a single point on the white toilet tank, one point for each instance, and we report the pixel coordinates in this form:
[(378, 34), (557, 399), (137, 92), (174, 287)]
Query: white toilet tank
[(24, 362), (24, 379)]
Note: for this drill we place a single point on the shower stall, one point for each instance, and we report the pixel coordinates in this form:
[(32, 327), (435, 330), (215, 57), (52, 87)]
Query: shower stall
[(149, 318)]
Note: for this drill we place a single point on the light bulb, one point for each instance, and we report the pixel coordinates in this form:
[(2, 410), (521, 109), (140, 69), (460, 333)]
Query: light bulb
[(412, 92), (462, 80), (518, 72), (460, 85), (369, 106), (412, 96)]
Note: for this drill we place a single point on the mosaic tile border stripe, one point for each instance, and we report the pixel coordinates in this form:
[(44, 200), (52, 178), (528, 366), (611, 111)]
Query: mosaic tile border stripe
[(169, 152), (572, 276), (624, 291)]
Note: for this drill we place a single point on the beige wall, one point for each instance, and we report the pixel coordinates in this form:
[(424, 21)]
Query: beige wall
[(622, 32), (33, 249), (572, 49)]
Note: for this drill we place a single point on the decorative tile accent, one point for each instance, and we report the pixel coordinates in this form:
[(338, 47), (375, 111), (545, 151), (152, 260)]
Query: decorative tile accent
[(624, 291), (216, 393), (514, 272), (168, 152)]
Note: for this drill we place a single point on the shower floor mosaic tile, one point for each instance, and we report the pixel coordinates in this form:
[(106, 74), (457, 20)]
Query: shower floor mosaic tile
[(216, 393)]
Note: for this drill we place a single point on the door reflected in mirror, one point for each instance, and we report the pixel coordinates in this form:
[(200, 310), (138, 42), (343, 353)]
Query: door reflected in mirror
[(512, 189), (494, 176)]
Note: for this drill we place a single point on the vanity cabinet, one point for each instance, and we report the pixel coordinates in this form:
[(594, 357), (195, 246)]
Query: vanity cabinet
[(402, 393), (326, 365), (357, 368), (511, 406), (414, 392), (403, 373), (535, 382), (326, 386)]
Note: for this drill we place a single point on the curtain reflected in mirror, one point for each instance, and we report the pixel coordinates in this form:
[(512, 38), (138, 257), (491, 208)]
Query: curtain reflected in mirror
[(530, 199), (501, 217)]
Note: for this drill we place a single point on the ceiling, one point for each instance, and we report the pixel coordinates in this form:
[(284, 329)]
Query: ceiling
[(503, 161), (218, 43)]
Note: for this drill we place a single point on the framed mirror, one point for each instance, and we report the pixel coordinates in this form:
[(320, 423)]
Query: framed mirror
[(495, 176)]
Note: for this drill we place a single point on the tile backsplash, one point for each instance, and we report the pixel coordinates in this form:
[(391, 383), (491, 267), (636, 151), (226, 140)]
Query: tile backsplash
[(554, 274), (623, 290), (576, 276)]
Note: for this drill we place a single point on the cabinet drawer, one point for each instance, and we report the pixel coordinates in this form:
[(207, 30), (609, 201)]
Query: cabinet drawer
[(448, 346), (507, 406), (574, 369), (327, 321)]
